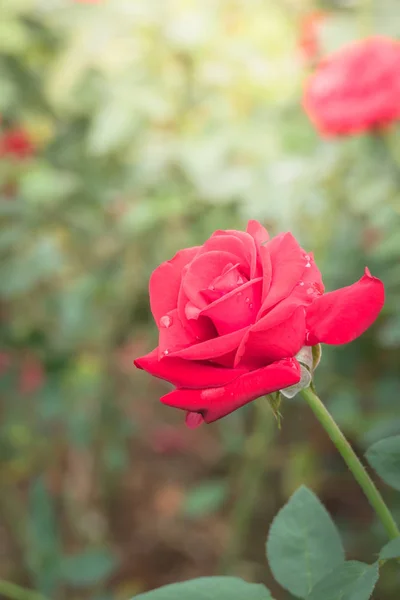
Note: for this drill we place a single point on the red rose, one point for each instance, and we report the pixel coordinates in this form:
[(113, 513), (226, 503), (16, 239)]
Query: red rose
[(233, 313), (356, 88), (17, 143)]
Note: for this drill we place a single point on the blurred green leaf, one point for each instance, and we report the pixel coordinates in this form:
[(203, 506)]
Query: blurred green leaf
[(112, 126), (209, 588), (43, 184), (87, 568), (205, 499), (44, 548), (384, 458), (14, 37), (21, 274), (389, 334)]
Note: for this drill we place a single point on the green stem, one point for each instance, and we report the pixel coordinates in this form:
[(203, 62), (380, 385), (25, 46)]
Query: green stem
[(15, 592), (353, 462)]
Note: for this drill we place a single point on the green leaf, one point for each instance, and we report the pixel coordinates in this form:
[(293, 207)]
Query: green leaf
[(384, 457), (391, 550), (350, 581), (303, 543), (209, 588), (88, 567), (205, 499)]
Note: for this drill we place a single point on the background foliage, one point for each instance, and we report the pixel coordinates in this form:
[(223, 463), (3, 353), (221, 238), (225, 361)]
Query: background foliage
[(150, 124)]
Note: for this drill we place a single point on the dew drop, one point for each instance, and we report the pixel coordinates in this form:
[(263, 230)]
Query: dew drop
[(250, 306), (307, 257), (240, 280), (308, 264), (212, 287), (165, 321), (239, 294), (301, 283), (310, 290), (247, 300), (166, 352)]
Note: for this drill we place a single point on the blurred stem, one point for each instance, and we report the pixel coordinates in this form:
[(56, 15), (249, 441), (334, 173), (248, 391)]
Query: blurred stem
[(252, 470), (353, 462), (366, 18), (15, 592), (389, 140)]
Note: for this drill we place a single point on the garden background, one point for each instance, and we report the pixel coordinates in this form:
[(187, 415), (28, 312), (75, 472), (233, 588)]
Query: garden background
[(130, 129)]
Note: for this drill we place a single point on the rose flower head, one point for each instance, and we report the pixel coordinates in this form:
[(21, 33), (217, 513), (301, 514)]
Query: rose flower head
[(233, 314), (356, 89)]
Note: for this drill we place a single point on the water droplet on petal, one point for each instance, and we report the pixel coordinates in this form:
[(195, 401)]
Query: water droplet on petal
[(166, 352), (310, 290), (165, 321), (212, 287), (308, 264), (239, 294), (307, 257), (301, 283), (240, 280), (247, 300), (250, 306)]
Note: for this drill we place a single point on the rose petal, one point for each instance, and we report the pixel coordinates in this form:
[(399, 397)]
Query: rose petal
[(214, 403), (202, 271), (266, 265), (189, 314), (214, 348), (280, 334), (186, 373), (225, 243), (173, 335), (288, 265), (165, 282), (312, 274), (308, 288), (341, 316), (237, 309), (258, 232), (249, 247), (230, 279)]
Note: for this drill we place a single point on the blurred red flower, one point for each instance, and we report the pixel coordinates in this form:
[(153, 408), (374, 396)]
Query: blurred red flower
[(16, 143), (32, 376), (356, 89), (309, 34)]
